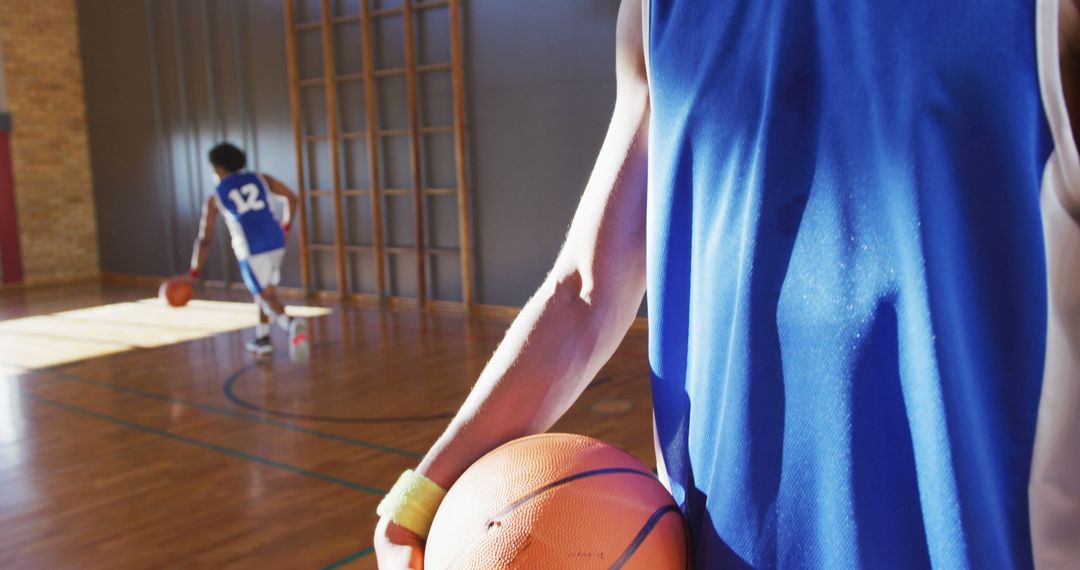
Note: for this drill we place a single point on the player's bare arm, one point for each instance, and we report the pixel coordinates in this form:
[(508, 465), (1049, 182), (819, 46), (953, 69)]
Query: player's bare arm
[(580, 313), (275, 186), (201, 248)]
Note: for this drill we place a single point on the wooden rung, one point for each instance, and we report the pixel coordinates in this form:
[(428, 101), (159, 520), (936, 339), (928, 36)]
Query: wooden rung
[(321, 247), (385, 12), (358, 248), (427, 191), (394, 132), (430, 5), (305, 26), (356, 192), (406, 250), (349, 77), (311, 81), (436, 130), (338, 20), (320, 193), (403, 302), (389, 71), (353, 135), (366, 298), (428, 67), (427, 250)]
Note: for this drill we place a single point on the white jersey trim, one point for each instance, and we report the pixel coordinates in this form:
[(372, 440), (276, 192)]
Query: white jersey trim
[(239, 240), (276, 202)]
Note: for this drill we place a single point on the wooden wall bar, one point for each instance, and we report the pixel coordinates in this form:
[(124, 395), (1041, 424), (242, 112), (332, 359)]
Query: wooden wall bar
[(408, 19), (458, 81), (298, 143), (387, 287), (330, 89), (371, 108)]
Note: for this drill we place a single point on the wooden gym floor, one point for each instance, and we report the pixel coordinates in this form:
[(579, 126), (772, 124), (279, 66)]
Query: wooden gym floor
[(135, 436)]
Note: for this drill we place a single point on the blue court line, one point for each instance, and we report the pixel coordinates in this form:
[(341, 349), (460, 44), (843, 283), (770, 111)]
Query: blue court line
[(354, 556), (239, 415), (206, 445)]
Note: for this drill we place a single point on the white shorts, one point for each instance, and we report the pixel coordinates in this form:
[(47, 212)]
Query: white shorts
[(262, 270)]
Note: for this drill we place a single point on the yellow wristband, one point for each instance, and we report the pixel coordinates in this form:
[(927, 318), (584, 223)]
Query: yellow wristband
[(412, 502)]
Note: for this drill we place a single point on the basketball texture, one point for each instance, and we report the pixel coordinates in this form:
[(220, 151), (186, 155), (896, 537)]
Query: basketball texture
[(557, 501), (176, 291)]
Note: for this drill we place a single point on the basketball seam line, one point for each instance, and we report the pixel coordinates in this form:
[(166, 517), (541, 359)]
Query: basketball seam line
[(584, 474), (513, 506), (642, 534)]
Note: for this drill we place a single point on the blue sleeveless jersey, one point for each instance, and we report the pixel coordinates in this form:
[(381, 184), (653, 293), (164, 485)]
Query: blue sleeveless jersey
[(245, 203), (847, 290)]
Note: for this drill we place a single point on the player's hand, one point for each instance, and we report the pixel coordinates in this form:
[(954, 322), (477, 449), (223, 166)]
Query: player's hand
[(285, 229), (397, 548)]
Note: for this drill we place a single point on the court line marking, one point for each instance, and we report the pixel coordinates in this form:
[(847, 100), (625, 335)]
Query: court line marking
[(354, 556), (209, 408), (230, 394), (207, 445)]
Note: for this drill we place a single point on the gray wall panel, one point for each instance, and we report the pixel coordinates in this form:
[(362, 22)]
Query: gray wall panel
[(541, 91), (129, 180), (540, 88)]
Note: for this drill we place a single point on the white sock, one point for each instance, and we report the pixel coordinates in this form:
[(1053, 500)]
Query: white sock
[(283, 321), (262, 330)]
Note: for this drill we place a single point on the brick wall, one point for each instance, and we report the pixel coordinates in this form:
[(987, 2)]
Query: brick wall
[(44, 91)]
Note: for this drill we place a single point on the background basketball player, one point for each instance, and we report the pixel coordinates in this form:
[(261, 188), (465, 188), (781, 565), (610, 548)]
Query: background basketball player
[(258, 240)]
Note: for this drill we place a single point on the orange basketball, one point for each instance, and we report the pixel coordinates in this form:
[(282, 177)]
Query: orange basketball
[(557, 501), (176, 291)]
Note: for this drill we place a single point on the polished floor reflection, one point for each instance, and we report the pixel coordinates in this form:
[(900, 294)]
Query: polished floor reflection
[(134, 436), (41, 341)]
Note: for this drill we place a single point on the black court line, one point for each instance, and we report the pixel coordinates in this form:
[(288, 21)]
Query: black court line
[(56, 375), (61, 370), (207, 445), (228, 389), (354, 556)]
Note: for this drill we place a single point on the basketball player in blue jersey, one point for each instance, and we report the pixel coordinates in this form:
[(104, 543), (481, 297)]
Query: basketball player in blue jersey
[(258, 240), (857, 226)]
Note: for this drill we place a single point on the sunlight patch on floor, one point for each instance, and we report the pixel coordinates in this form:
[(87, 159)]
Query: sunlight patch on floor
[(67, 336)]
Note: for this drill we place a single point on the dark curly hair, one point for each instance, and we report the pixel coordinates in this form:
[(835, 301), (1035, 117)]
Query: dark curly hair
[(228, 157)]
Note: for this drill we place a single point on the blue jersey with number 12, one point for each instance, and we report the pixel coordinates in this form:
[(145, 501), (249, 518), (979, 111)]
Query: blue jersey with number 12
[(246, 207)]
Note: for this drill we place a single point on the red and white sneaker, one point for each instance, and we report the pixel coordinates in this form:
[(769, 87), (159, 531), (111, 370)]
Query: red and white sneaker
[(299, 351)]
